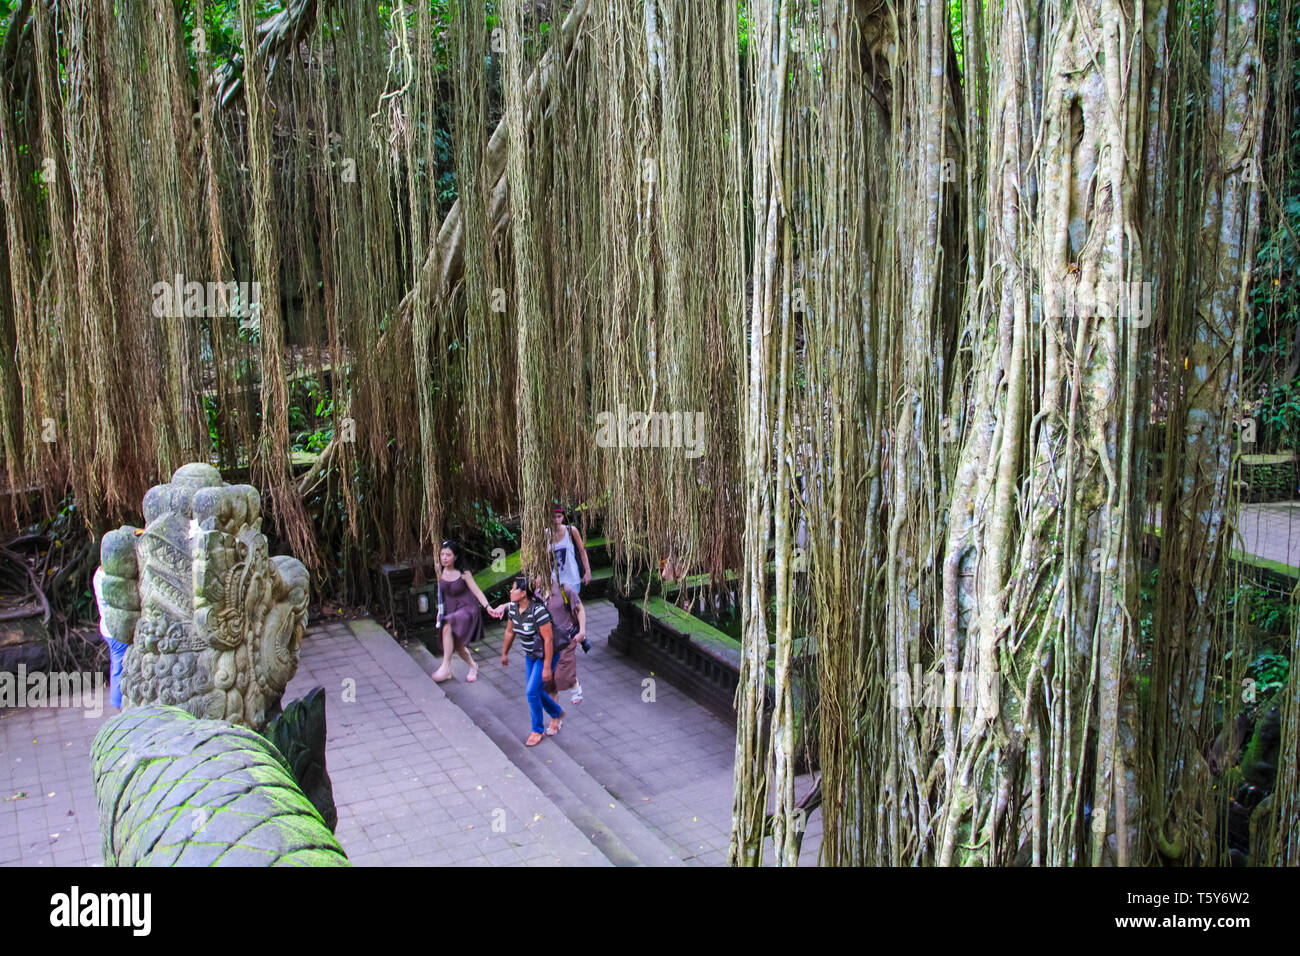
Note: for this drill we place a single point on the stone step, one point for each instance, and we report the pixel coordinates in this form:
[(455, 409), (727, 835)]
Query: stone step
[(620, 835), (401, 756)]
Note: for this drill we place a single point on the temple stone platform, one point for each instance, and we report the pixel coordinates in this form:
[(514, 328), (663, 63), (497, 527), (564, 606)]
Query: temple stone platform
[(437, 775)]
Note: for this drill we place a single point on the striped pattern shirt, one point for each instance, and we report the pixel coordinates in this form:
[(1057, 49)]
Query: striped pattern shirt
[(527, 626)]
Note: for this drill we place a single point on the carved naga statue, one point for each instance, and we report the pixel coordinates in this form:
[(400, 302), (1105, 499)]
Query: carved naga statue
[(214, 622)]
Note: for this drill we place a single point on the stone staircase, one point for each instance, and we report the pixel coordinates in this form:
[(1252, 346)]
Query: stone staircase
[(641, 769), (612, 828)]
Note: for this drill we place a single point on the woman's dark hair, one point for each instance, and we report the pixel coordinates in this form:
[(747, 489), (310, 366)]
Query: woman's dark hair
[(458, 554)]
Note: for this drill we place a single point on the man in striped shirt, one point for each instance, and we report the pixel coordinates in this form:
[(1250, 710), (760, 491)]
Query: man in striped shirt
[(530, 621)]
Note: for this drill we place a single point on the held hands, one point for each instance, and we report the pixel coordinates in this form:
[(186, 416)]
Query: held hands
[(497, 612)]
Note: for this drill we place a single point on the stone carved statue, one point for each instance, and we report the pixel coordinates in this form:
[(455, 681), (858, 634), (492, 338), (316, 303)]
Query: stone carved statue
[(214, 623)]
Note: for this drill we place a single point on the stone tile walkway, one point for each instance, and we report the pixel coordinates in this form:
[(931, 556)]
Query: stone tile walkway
[(655, 750), (47, 801), (415, 780), (1270, 531), (416, 783)]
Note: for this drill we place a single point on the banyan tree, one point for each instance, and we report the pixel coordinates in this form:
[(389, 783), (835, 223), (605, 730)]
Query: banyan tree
[(922, 274)]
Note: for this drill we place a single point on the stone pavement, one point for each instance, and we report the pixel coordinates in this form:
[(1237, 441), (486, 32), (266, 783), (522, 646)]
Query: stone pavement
[(416, 783), (654, 750), (646, 771), (47, 800), (1270, 531)]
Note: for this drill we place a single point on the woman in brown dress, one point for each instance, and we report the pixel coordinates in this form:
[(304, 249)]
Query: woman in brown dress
[(459, 604)]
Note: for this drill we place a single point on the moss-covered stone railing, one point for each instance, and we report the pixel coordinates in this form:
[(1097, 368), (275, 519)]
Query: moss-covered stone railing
[(1266, 478), (695, 655), (174, 790), (697, 658)]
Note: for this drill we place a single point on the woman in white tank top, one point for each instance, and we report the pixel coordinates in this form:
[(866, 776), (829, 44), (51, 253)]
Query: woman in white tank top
[(568, 549)]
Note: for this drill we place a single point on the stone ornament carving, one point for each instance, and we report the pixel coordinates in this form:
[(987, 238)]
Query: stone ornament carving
[(214, 622)]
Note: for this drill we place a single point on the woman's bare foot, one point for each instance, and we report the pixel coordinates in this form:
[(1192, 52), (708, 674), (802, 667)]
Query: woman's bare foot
[(441, 674), (473, 674)]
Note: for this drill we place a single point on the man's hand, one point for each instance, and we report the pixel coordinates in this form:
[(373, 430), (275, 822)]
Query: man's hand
[(580, 636), (546, 674), (505, 659)]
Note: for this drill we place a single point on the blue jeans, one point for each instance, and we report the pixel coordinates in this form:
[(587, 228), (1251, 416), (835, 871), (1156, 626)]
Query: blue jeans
[(116, 652), (538, 699)]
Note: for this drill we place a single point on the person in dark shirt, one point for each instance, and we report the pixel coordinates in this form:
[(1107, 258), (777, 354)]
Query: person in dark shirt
[(531, 623)]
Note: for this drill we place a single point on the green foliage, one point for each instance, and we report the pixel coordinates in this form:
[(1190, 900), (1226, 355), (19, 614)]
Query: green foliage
[(1271, 613), (1269, 669), (1146, 608), (1273, 331), (311, 415), (210, 413), (1266, 620), (1279, 411), (489, 526), (220, 29), (954, 23), (1271, 338), (1264, 611), (222, 33), (250, 332), (442, 15), (447, 187)]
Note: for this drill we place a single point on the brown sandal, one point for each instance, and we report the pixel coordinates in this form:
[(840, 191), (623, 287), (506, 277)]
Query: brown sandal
[(533, 740)]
